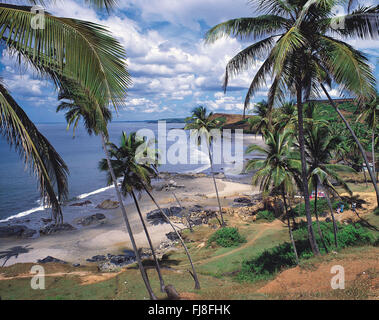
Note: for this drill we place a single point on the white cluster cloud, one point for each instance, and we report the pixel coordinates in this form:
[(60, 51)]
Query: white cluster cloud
[(172, 71)]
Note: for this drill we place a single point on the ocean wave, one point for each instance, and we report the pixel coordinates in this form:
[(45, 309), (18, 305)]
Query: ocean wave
[(42, 208), (24, 213), (85, 195)]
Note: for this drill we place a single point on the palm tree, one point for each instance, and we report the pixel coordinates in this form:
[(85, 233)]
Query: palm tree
[(79, 50), (278, 171), (261, 122), (203, 123), (301, 56), (287, 116), (96, 118), (133, 174), (370, 115), (320, 145)]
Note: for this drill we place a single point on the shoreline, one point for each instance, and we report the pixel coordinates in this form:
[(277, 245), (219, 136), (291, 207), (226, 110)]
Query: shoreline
[(109, 235), (106, 192)]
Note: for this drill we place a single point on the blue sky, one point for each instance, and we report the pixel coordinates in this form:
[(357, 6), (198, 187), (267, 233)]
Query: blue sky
[(171, 67)]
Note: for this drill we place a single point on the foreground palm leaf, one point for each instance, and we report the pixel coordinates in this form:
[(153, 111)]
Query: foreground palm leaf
[(36, 152), (73, 48)]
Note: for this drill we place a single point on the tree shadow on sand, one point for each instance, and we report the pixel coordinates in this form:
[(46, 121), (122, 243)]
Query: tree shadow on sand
[(13, 252)]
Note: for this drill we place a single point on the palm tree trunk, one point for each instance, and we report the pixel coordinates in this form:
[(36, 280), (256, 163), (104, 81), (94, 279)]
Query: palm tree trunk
[(194, 274), (290, 229), (365, 177), (161, 281), (335, 228), (318, 221), (129, 229), (373, 154), (300, 116), (223, 224), (357, 141)]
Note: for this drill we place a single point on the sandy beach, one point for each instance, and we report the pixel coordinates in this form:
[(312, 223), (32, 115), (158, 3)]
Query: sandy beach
[(110, 236)]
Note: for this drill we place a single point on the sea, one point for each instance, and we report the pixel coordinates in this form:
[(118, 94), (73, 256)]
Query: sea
[(19, 195)]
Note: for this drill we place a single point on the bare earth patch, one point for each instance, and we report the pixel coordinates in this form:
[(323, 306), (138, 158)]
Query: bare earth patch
[(301, 280)]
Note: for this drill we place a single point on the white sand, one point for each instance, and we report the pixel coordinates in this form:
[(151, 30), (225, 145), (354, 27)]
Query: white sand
[(111, 237)]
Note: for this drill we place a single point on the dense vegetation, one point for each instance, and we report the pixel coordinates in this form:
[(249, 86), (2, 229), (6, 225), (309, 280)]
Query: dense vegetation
[(271, 261)]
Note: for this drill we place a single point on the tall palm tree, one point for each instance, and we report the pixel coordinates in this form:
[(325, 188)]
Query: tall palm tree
[(202, 123), (72, 48), (137, 172), (370, 115), (278, 171), (96, 118), (320, 145), (295, 39), (134, 175)]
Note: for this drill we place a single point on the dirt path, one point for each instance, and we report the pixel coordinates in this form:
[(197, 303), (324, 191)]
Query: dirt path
[(276, 224)]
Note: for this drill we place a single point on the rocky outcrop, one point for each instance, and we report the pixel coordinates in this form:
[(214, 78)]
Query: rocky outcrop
[(80, 204), (108, 204), (172, 236), (168, 185), (51, 259), (52, 228), (157, 215), (92, 219), (19, 231)]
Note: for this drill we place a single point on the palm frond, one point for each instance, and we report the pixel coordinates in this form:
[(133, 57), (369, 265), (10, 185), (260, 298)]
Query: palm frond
[(36, 152), (79, 50), (247, 28)]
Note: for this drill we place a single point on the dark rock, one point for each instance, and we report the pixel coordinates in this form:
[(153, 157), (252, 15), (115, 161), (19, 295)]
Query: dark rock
[(175, 210), (52, 228), (121, 260), (80, 204), (172, 236), (28, 233), (156, 214), (129, 253), (46, 220), (16, 231), (95, 218), (196, 221), (97, 258), (76, 265), (328, 219), (51, 259)]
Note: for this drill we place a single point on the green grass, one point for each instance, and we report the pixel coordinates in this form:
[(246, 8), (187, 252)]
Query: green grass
[(265, 215)]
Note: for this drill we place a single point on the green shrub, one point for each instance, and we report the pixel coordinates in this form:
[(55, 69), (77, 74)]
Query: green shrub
[(270, 261), (376, 211), (322, 206), (266, 215), (226, 237)]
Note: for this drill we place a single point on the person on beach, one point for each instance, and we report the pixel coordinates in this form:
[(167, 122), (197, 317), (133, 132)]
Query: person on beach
[(353, 207)]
